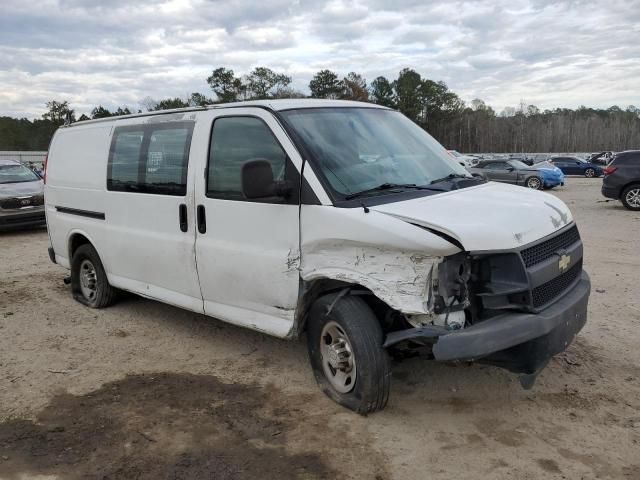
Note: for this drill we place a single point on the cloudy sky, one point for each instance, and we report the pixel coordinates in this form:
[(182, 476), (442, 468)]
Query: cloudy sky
[(116, 52)]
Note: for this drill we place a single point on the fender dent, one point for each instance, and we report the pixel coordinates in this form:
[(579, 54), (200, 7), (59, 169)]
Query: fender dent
[(402, 279)]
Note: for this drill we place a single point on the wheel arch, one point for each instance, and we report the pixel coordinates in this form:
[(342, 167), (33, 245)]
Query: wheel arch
[(536, 176), (627, 185), (312, 290), (76, 239)]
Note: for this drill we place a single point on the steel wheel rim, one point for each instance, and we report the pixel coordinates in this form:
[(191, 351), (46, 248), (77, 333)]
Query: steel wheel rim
[(338, 360), (533, 183), (589, 173), (633, 197), (88, 280)]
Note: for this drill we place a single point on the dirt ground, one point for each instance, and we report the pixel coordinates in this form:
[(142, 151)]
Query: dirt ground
[(144, 390)]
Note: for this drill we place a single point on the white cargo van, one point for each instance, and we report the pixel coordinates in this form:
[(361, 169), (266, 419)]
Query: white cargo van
[(340, 219)]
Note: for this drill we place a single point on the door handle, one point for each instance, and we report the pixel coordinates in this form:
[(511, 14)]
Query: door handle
[(202, 219), (182, 217)]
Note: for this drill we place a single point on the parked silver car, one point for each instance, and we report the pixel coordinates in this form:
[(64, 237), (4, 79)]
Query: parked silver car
[(21, 196), (539, 176)]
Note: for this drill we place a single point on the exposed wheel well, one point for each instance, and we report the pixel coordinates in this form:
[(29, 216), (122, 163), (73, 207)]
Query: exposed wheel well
[(76, 240), (315, 289)]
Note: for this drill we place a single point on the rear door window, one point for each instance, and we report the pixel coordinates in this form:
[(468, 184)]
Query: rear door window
[(150, 158), (125, 158), (632, 158)]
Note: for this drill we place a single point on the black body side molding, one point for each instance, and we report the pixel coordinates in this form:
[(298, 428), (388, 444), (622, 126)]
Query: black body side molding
[(81, 213)]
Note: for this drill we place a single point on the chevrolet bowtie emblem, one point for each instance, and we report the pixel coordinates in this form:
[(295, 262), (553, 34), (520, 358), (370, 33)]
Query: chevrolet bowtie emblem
[(564, 262)]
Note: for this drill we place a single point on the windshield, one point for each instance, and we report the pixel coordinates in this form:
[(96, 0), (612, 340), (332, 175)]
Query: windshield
[(357, 149), (518, 164), (16, 173)]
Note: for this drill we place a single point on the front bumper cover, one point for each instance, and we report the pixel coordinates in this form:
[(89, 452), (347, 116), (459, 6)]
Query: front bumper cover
[(519, 342), (12, 219)]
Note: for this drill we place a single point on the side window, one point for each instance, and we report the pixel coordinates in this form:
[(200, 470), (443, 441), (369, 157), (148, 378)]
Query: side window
[(497, 166), (124, 159), (150, 159), (167, 160), (235, 141)]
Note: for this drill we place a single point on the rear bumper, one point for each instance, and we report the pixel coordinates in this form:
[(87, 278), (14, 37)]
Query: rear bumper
[(10, 220), (519, 342), (610, 192)]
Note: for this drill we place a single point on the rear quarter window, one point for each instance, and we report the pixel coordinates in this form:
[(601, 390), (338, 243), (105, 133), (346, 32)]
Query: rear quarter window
[(150, 158), (631, 158)]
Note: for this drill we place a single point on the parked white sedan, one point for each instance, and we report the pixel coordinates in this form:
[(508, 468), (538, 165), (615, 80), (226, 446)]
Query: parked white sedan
[(464, 160)]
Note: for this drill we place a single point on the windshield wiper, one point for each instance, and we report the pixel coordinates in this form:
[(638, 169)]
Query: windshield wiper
[(451, 176), (386, 186)]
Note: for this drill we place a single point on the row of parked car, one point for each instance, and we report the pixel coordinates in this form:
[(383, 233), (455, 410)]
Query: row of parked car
[(568, 164), (621, 175)]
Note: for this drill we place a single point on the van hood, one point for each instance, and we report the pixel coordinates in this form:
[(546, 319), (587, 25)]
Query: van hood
[(491, 216)]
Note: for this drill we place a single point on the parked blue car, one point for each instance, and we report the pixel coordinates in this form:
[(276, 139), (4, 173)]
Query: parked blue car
[(577, 166), (551, 175)]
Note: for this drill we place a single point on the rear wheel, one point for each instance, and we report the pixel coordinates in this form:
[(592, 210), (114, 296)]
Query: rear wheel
[(631, 197), (89, 283), (345, 349), (589, 173), (534, 182)]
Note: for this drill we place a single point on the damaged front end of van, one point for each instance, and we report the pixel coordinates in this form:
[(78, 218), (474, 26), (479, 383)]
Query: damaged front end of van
[(500, 289)]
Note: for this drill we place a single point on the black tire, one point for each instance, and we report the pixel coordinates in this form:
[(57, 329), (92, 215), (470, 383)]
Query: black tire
[(370, 391), (628, 195), (534, 182), (590, 173), (104, 294)]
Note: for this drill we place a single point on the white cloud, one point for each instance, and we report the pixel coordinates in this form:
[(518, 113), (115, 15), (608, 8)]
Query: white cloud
[(551, 53)]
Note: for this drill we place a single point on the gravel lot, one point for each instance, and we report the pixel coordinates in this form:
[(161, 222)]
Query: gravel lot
[(144, 390)]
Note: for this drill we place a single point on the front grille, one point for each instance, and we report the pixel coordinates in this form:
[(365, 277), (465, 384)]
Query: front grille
[(14, 203), (547, 292), (542, 251)]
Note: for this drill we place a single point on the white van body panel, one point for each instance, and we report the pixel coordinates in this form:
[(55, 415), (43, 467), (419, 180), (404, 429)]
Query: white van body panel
[(77, 180), (392, 258), (138, 229), (491, 216), (249, 257)]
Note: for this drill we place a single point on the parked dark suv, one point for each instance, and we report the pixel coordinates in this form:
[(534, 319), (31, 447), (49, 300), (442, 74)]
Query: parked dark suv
[(622, 179)]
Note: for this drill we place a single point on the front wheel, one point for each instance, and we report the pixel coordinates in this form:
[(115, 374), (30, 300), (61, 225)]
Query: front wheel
[(589, 173), (534, 182), (631, 197), (345, 349)]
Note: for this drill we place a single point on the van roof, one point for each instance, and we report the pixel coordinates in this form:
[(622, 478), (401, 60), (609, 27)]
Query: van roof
[(276, 104)]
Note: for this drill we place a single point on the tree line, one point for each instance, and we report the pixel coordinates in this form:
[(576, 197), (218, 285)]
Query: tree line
[(473, 127)]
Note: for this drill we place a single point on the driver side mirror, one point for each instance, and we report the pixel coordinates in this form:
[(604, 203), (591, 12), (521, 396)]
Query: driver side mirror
[(258, 182), (510, 169)]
